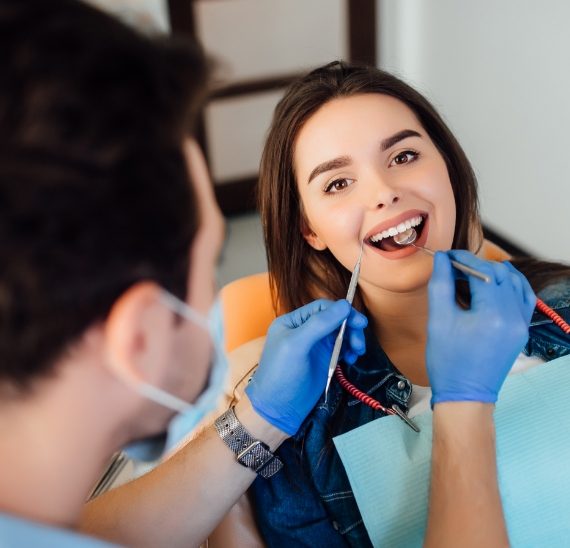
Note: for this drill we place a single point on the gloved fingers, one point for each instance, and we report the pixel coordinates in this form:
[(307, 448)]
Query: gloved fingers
[(513, 287), (517, 285), (508, 284), (356, 319), (509, 277), (502, 273), (323, 322), (483, 294), (355, 341), (441, 287), (349, 357), (524, 289), (301, 315), (468, 259)]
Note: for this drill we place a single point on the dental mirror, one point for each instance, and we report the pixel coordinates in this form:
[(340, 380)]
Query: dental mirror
[(409, 237), (406, 238)]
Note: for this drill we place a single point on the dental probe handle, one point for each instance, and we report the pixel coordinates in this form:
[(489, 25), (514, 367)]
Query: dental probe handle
[(338, 341), (460, 266), (468, 270), (335, 356)]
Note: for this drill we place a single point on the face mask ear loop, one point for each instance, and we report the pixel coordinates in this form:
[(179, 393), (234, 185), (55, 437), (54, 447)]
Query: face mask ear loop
[(183, 310), (162, 398)]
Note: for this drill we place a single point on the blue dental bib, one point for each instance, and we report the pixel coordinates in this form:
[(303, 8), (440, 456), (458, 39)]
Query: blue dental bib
[(388, 465)]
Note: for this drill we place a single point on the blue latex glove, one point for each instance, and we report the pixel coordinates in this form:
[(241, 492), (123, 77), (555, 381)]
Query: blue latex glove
[(470, 352), (292, 372)]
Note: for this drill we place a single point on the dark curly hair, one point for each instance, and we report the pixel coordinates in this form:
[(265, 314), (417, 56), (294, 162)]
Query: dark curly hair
[(94, 187)]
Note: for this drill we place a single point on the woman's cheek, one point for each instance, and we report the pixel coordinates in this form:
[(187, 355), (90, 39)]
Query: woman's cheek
[(436, 189), (447, 217), (341, 232)]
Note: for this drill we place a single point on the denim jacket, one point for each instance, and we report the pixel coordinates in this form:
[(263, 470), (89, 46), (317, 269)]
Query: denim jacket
[(310, 501)]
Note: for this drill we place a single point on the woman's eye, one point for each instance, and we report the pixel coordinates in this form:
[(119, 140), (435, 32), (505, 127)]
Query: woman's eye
[(337, 185), (404, 157)]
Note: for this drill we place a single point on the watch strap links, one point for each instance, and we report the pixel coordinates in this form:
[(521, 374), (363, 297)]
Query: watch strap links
[(250, 452)]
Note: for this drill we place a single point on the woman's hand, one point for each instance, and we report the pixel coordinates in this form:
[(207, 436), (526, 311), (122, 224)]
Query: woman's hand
[(293, 369), (470, 352)]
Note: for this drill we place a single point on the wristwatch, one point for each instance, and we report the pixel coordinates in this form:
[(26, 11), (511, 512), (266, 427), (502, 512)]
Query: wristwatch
[(249, 452)]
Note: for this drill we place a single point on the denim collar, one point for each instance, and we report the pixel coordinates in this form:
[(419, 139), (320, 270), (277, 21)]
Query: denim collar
[(557, 297), (374, 374), (546, 340)]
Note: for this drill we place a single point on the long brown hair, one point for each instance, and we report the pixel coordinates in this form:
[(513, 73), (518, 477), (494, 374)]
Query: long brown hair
[(299, 273)]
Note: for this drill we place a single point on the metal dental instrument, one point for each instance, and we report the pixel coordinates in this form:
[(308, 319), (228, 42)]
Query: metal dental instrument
[(405, 418), (409, 237), (372, 402), (338, 342)]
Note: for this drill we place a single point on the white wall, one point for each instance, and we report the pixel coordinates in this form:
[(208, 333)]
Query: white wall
[(252, 39), (499, 72)]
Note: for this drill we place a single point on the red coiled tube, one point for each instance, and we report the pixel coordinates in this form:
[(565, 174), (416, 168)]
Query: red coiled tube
[(556, 318), (375, 404), (358, 394)]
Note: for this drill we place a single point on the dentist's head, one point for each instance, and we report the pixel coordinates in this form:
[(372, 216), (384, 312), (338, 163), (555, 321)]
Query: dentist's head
[(109, 231)]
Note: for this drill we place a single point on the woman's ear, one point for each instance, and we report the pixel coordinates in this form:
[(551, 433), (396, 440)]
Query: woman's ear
[(311, 238), (138, 336)]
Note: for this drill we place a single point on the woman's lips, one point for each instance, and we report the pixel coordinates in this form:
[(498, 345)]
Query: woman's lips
[(406, 250)]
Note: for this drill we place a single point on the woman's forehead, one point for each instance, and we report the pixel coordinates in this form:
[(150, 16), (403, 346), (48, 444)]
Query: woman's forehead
[(345, 123)]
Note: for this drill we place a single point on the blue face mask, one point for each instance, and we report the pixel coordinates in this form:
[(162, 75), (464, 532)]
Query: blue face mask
[(188, 415)]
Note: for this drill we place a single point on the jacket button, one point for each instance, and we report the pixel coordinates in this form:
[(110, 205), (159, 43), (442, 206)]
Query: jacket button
[(550, 351), (401, 385), (335, 525)]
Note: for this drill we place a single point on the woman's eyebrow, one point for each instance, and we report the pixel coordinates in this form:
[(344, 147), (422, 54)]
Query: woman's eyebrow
[(389, 142), (341, 161)]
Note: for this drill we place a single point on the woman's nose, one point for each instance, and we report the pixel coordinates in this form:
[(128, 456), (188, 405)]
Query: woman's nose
[(383, 194), (387, 199)]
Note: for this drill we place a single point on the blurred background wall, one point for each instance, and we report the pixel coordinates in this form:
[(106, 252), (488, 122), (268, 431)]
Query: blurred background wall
[(258, 47), (495, 69), (498, 72)]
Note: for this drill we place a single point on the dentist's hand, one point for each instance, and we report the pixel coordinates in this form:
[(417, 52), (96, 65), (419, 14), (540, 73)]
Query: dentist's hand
[(293, 369), (470, 352)]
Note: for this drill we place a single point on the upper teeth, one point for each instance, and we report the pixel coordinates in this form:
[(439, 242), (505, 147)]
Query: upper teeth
[(402, 227)]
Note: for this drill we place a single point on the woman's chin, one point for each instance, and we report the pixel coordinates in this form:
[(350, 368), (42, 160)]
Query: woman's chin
[(414, 279)]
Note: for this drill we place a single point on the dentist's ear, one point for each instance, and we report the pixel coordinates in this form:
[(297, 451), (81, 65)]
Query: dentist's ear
[(138, 336), (311, 238)]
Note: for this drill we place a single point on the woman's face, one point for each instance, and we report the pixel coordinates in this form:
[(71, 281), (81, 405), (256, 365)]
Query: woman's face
[(366, 167)]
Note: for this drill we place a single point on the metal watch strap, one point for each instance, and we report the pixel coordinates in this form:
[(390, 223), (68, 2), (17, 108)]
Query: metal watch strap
[(249, 452)]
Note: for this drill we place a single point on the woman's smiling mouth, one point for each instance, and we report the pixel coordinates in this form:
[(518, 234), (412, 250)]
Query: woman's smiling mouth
[(381, 237)]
